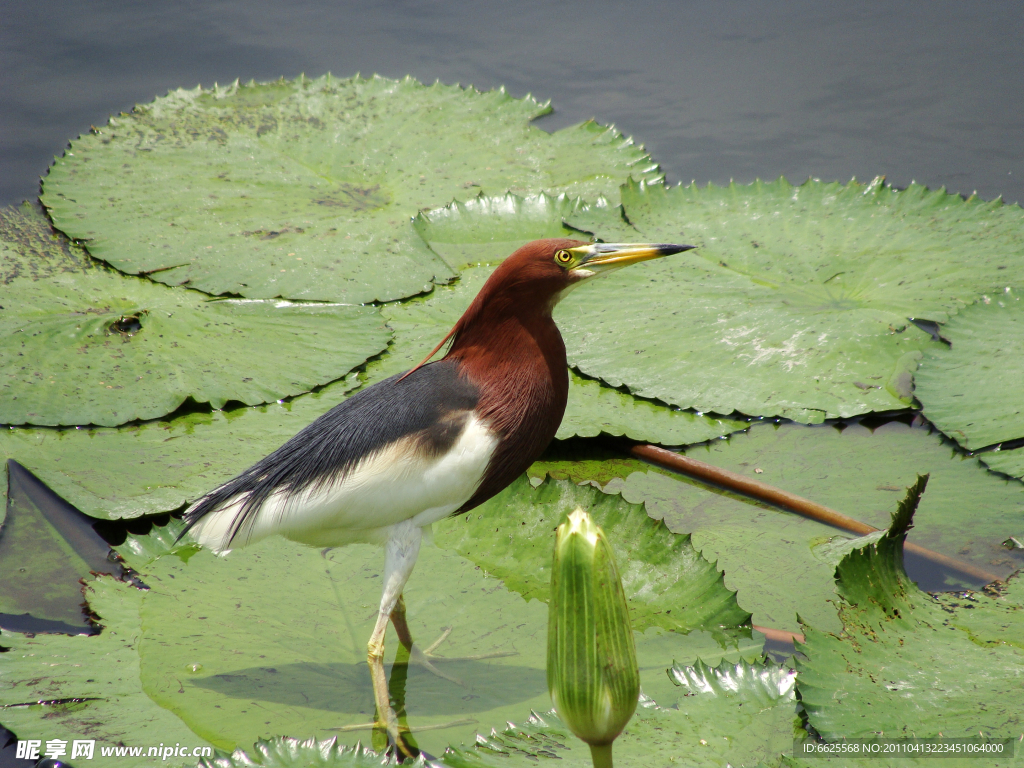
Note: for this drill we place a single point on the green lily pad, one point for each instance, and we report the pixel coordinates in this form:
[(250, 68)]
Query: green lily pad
[(667, 583), (735, 714), (909, 664), (86, 345), (159, 466), (593, 409), (80, 687), (974, 390), (777, 561), (304, 670), (796, 303), (305, 189)]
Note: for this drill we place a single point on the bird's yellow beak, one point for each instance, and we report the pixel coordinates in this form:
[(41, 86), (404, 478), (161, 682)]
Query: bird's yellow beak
[(600, 258)]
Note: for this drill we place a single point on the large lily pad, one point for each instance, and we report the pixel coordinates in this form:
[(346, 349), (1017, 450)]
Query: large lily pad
[(304, 672), (738, 714), (305, 189), (80, 687), (974, 390), (796, 302), (84, 344), (782, 564), (159, 466), (909, 664), (592, 409)]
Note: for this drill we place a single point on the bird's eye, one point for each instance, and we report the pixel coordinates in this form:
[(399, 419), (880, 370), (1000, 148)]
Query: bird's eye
[(563, 257)]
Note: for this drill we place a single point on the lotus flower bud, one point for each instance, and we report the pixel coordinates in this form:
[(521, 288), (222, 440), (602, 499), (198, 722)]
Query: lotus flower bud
[(592, 671)]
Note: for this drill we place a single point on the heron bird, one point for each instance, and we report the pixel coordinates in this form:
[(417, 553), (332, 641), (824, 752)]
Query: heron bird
[(437, 440)]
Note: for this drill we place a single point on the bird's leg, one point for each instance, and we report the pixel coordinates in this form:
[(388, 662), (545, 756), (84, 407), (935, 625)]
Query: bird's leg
[(400, 552)]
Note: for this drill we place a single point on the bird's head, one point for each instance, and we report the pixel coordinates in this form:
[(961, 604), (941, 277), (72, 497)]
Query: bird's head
[(540, 273), (529, 283)]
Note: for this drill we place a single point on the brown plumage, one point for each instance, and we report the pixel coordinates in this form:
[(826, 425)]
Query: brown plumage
[(507, 345)]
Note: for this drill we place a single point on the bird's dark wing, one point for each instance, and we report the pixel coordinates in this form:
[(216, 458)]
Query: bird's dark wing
[(428, 410)]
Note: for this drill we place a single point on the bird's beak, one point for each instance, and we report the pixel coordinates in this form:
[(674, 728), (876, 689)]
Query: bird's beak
[(600, 258)]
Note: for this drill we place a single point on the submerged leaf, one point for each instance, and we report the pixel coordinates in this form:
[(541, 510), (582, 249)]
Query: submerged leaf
[(305, 189), (84, 344), (974, 390), (46, 547), (796, 302)]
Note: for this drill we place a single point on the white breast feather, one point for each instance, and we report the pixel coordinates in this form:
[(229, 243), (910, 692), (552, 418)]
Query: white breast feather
[(396, 484)]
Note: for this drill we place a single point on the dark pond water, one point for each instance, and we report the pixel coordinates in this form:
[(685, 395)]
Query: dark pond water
[(922, 90)]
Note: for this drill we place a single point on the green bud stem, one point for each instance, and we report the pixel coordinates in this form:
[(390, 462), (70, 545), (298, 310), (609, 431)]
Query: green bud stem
[(601, 755)]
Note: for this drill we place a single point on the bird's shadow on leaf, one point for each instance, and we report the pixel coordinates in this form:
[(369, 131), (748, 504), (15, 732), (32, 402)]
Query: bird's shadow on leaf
[(346, 688)]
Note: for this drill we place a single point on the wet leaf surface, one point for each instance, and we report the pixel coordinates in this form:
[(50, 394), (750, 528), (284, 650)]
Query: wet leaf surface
[(736, 713), (272, 639), (305, 189), (796, 302), (87, 345)]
